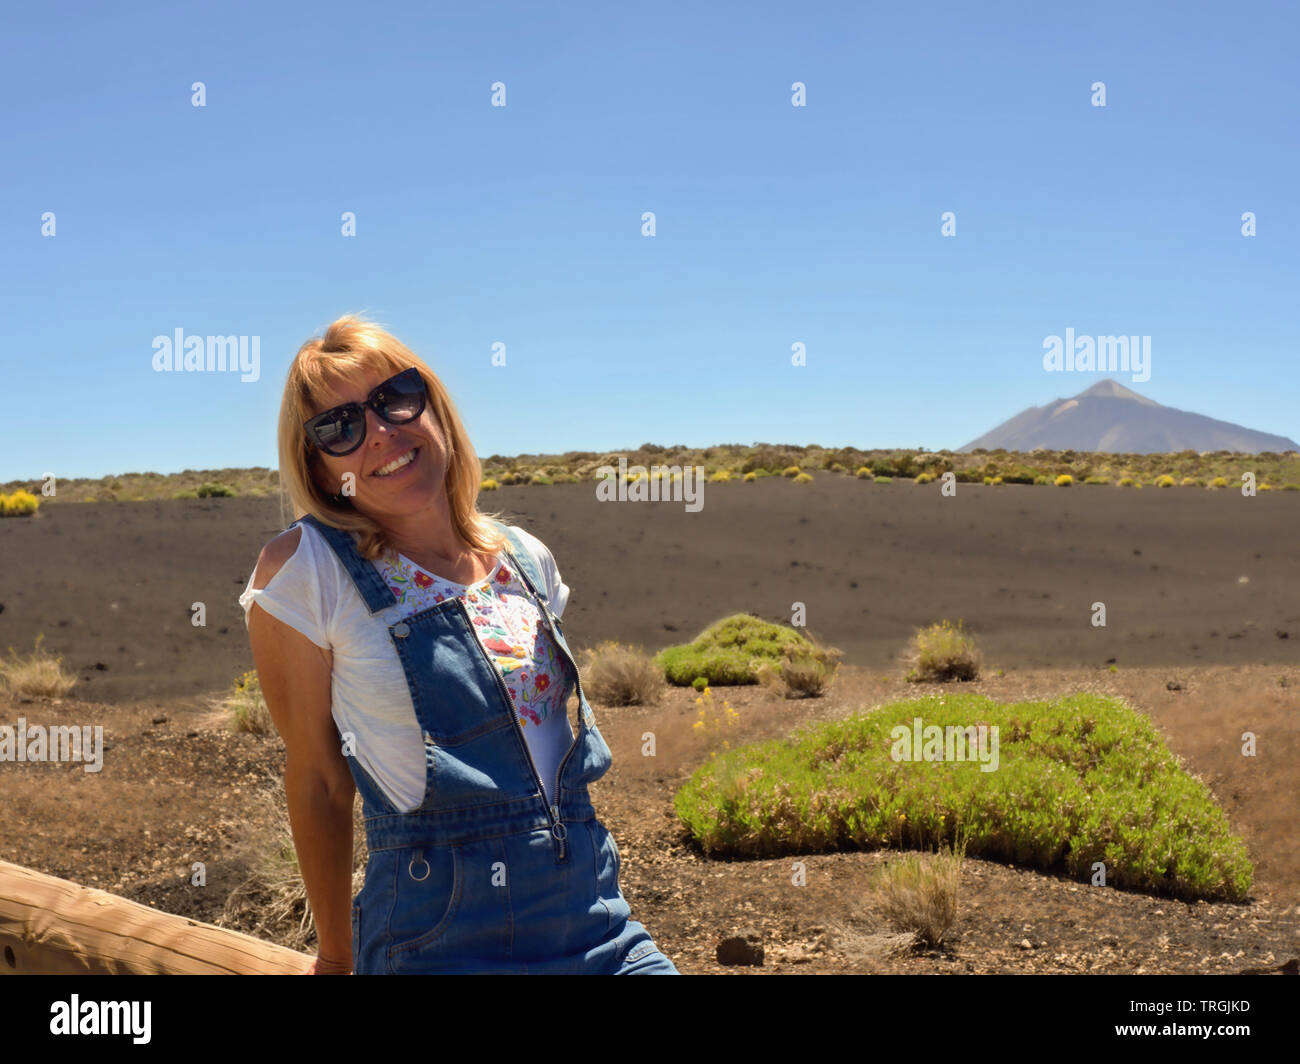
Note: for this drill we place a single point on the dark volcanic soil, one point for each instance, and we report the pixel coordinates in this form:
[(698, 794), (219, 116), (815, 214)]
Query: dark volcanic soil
[(112, 584)]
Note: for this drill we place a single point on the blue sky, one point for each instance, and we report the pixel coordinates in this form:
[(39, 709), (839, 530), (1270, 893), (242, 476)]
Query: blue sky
[(522, 225)]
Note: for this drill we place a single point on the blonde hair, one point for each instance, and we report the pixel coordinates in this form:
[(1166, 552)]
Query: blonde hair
[(350, 347)]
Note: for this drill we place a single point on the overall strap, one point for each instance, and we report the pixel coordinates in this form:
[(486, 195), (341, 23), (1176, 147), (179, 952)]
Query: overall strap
[(374, 592), (525, 561)]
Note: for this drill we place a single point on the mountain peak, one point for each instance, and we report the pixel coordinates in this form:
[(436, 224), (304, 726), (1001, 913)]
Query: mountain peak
[(1111, 389), (1091, 422)]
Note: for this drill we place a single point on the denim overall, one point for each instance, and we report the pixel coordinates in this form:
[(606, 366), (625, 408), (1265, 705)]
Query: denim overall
[(484, 877)]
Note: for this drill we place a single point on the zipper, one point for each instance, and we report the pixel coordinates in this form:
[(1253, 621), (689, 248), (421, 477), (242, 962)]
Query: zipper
[(577, 674), (558, 831)]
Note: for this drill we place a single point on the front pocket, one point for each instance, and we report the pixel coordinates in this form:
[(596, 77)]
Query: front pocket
[(427, 895), (605, 851)]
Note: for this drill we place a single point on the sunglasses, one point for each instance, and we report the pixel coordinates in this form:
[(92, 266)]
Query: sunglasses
[(342, 429)]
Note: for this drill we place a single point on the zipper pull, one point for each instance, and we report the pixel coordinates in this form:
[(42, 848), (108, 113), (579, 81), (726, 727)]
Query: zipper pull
[(558, 831)]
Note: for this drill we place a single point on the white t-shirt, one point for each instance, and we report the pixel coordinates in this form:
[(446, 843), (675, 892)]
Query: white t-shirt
[(313, 594)]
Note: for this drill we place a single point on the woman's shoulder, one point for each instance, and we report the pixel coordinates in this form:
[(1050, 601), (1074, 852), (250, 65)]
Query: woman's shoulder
[(278, 551)]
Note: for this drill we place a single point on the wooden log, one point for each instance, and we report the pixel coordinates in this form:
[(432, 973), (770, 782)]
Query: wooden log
[(50, 926)]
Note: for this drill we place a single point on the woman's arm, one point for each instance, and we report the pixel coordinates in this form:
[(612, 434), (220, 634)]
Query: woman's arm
[(295, 675)]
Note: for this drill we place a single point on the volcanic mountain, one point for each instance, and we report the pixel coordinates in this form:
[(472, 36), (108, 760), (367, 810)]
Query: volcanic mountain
[(1110, 417)]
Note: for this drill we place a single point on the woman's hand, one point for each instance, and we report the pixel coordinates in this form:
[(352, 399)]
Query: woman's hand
[(325, 966)]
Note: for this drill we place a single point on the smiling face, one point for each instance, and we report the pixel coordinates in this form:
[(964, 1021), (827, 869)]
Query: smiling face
[(398, 470)]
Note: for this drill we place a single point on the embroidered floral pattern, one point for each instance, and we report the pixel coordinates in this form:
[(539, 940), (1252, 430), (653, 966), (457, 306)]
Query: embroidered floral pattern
[(507, 623)]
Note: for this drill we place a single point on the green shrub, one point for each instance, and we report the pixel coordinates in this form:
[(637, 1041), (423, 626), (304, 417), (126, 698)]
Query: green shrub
[(215, 491), (883, 480), (790, 471), (728, 652), (1079, 779), (489, 485), (863, 472), (902, 465), (803, 478)]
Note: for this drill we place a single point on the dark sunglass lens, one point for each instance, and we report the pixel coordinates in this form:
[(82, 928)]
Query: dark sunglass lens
[(403, 407), (403, 397), (339, 434)]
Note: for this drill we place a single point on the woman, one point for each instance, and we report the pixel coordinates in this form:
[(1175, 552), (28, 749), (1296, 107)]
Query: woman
[(410, 647)]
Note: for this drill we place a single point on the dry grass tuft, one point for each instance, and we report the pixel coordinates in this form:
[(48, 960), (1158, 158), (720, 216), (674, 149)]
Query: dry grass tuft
[(244, 709), (919, 893), (618, 675), (806, 671), (38, 675), (943, 652)]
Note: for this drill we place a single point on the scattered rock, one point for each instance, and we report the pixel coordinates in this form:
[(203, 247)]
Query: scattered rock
[(1173, 685)]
